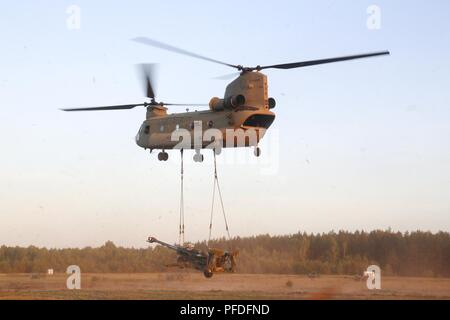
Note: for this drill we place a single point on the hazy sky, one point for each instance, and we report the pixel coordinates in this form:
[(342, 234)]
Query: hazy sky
[(355, 145)]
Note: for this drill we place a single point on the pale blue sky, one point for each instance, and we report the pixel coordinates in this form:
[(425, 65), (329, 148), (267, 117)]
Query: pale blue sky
[(363, 144)]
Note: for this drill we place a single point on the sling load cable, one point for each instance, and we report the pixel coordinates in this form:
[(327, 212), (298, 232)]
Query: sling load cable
[(216, 183), (181, 224)]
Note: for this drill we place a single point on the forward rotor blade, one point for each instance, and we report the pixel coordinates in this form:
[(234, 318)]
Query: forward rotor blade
[(148, 71), (118, 107), (164, 46), (322, 61), (131, 106)]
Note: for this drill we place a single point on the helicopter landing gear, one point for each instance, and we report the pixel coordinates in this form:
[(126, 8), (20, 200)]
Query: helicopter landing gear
[(257, 151), (198, 157), (218, 150), (163, 156)]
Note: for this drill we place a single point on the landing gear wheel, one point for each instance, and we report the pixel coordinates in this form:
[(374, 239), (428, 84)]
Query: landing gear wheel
[(257, 151), (207, 273), (218, 151), (163, 156), (198, 157)]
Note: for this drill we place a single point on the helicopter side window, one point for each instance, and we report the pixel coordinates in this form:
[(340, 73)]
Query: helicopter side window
[(147, 129)]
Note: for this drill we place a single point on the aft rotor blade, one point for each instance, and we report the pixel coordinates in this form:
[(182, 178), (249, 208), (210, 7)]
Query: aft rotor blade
[(185, 104), (157, 44), (118, 107), (322, 61), (227, 76)]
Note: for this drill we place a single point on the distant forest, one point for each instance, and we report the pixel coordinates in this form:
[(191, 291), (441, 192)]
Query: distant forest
[(401, 254)]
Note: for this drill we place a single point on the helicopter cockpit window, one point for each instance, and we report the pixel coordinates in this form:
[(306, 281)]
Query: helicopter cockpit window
[(147, 129)]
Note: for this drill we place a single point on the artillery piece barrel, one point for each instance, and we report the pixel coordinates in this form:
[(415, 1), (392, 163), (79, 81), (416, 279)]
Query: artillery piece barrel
[(170, 246)]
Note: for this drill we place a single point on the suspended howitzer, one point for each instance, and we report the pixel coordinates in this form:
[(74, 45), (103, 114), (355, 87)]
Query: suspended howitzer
[(215, 260)]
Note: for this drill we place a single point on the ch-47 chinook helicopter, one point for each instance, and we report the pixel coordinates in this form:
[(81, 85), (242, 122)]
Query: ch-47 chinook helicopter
[(246, 106)]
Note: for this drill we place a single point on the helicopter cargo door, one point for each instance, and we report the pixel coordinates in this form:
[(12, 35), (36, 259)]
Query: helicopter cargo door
[(259, 121)]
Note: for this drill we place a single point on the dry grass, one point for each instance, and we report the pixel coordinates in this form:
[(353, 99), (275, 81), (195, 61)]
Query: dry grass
[(186, 285)]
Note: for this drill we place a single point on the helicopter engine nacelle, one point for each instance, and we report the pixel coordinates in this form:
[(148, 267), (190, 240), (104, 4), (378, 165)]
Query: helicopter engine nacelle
[(232, 102), (216, 104), (272, 103)]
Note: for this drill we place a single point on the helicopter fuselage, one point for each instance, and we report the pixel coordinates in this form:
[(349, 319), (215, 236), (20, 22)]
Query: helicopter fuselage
[(240, 119)]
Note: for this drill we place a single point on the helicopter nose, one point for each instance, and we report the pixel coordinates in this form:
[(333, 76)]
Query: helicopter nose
[(136, 139)]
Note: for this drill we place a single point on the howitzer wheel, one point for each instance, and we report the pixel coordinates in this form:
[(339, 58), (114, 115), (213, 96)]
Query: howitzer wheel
[(207, 273)]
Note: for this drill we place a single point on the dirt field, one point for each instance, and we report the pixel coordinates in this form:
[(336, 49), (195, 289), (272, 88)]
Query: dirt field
[(235, 286)]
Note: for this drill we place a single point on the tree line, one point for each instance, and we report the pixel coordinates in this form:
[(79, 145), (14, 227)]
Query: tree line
[(403, 254)]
